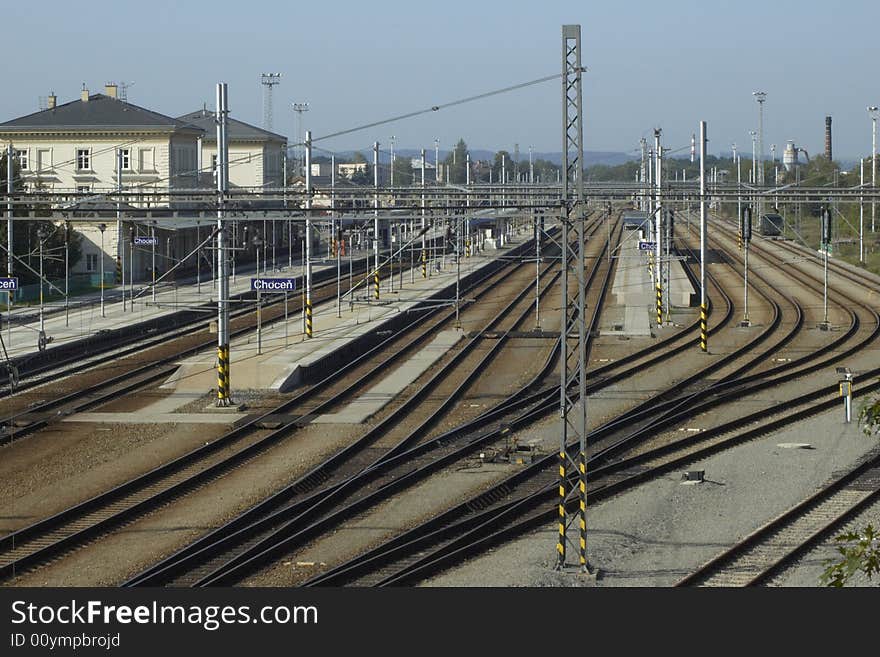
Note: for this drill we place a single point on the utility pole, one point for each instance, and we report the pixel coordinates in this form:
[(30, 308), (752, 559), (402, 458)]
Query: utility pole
[(861, 211), (424, 245), (307, 316), (224, 389), (10, 154), (873, 110), (658, 217), (643, 173), (745, 231), (376, 219), (392, 162), (467, 223), (573, 406), (531, 168), (738, 181), (268, 80), (120, 246), (826, 244), (704, 308)]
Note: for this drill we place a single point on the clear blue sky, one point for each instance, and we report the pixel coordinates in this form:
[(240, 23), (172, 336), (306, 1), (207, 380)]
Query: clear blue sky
[(667, 64)]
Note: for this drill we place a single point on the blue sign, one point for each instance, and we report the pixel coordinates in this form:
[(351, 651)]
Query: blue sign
[(273, 284), (647, 246), (146, 241), (8, 284)]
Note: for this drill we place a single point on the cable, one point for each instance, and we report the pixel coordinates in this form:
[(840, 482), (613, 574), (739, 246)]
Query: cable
[(436, 108)]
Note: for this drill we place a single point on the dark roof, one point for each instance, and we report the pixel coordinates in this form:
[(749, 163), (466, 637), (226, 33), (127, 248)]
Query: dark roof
[(240, 130), (99, 112)]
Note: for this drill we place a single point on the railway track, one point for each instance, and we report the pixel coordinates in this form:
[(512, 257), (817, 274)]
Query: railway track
[(273, 526), (504, 512), (35, 543), (764, 553)]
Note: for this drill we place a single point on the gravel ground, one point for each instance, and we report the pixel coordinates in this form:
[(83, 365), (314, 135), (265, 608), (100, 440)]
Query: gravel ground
[(654, 535)]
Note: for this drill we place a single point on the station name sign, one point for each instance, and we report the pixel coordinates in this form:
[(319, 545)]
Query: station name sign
[(146, 241), (273, 284), (8, 284), (647, 246)]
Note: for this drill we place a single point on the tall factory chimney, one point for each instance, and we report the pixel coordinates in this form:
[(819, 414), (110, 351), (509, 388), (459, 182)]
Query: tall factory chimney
[(828, 138)]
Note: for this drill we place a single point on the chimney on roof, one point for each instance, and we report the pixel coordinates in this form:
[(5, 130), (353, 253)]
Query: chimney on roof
[(51, 101), (110, 89), (84, 94)]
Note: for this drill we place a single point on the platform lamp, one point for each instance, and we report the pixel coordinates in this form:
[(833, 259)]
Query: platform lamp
[(102, 228)]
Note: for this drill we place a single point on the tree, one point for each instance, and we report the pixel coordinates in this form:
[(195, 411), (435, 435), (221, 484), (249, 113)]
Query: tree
[(364, 177), (403, 171), (860, 550), (497, 168), (456, 163)]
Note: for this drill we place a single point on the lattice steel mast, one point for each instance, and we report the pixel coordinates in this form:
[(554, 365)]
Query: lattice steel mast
[(572, 393)]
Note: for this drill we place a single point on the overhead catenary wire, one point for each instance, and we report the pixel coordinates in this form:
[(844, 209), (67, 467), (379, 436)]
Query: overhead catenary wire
[(437, 108)]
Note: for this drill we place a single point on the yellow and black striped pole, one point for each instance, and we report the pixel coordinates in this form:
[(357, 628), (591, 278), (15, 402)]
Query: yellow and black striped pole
[(659, 304), (308, 316), (704, 332), (560, 545), (424, 265), (118, 268), (376, 283), (467, 248), (223, 386), (583, 499)]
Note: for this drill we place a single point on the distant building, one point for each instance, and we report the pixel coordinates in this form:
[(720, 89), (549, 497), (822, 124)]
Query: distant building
[(72, 147), (256, 156), (348, 169)]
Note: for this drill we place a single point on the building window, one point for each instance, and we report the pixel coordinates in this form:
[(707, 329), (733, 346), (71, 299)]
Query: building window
[(83, 159), (91, 262), (22, 156), (214, 162), (44, 159), (145, 159), (83, 189), (126, 159)]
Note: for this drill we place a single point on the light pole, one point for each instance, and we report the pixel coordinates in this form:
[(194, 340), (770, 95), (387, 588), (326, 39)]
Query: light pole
[(102, 228), (873, 112), (299, 108), (760, 96)]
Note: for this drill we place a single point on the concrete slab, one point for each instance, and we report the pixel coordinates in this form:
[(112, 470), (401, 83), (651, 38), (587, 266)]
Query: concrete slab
[(392, 385), (157, 418)]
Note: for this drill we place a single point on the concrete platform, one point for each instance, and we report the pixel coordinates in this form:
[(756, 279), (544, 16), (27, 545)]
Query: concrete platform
[(377, 397), (632, 291), (85, 319), (285, 356)]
